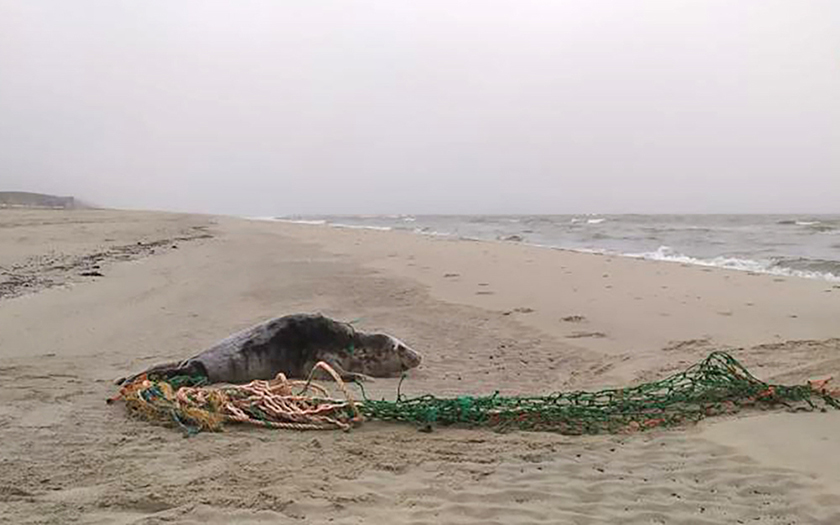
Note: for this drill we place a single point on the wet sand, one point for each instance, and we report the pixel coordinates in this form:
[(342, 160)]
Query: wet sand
[(487, 316)]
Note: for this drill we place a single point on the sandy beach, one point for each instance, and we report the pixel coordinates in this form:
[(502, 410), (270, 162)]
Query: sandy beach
[(87, 296)]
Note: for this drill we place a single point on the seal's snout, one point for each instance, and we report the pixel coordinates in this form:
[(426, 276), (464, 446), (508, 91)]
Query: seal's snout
[(409, 358), (383, 355)]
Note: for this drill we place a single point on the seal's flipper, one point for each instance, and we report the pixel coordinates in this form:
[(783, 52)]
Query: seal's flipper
[(164, 370)]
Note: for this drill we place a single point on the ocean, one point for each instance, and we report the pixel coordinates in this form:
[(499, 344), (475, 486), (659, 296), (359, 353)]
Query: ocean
[(790, 245)]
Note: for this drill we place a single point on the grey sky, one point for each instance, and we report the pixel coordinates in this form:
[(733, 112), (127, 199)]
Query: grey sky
[(424, 106)]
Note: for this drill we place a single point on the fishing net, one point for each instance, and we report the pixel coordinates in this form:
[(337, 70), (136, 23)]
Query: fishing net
[(717, 385)]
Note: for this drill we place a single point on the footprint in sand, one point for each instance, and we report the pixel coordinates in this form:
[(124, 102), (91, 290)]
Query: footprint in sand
[(582, 335), (688, 345), (520, 310), (574, 319), (450, 275)]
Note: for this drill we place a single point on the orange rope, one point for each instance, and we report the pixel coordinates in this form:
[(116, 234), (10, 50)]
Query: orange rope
[(209, 407)]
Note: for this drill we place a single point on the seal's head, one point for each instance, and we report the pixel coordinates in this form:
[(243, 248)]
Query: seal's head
[(382, 355)]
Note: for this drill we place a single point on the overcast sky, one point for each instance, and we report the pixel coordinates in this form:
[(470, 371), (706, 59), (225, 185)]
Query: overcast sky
[(424, 106)]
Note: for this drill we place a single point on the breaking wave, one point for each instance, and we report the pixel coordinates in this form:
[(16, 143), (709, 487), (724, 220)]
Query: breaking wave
[(301, 221), (360, 227), (788, 267), (287, 220)]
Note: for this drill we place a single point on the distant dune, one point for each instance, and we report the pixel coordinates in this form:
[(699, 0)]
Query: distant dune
[(23, 199)]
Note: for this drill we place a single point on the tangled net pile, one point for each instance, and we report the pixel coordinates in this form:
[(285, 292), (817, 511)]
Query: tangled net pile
[(717, 385), (272, 404)]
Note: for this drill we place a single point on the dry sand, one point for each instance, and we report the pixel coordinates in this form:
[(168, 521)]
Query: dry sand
[(487, 316)]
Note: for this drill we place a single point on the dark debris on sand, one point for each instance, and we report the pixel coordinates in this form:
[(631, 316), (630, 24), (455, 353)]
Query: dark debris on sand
[(55, 269)]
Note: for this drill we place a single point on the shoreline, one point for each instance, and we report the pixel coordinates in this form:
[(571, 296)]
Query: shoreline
[(718, 262)]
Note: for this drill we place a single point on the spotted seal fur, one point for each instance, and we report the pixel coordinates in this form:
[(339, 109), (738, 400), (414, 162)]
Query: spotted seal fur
[(292, 345)]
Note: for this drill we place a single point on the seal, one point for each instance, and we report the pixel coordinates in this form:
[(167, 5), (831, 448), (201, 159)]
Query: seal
[(292, 345)]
